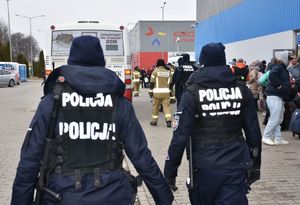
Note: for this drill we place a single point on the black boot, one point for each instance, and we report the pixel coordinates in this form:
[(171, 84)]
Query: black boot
[(153, 123), (169, 123)]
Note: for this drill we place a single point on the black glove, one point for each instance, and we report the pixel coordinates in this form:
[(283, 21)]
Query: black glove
[(253, 175), (171, 182)]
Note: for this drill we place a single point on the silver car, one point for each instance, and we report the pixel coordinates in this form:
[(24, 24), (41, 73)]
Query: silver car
[(8, 78)]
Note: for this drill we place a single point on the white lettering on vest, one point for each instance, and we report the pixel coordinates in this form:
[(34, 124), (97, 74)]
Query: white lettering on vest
[(188, 68), (216, 101), (73, 130), (88, 130), (220, 94), (76, 100)]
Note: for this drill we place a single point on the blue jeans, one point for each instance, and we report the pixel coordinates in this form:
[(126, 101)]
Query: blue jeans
[(276, 107)]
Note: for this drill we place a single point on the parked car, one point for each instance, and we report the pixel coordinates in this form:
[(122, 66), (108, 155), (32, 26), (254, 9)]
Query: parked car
[(8, 78)]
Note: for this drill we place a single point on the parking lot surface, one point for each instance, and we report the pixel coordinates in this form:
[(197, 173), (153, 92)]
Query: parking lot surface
[(280, 178)]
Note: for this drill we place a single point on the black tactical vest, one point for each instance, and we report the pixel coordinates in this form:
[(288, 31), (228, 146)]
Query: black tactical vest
[(87, 141), (218, 117), (185, 71)]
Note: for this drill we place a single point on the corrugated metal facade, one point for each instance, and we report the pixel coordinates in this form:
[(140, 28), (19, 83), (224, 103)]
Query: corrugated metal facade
[(208, 8), (247, 19)]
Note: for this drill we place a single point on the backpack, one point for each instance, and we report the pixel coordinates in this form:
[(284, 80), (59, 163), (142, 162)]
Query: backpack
[(264, 79)]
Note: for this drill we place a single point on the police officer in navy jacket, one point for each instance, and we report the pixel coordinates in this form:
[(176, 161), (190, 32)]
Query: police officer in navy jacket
[(215, 109), (181, 75), (95, 123)]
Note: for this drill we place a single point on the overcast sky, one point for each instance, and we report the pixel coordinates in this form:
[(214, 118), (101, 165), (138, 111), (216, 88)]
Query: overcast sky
[(121, 12)]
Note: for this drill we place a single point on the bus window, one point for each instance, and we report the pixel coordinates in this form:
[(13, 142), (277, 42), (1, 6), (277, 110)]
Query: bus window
[(114, 41)]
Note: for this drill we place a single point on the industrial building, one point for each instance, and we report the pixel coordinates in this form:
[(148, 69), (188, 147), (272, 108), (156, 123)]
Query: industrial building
[(151, 40), (251, 29)]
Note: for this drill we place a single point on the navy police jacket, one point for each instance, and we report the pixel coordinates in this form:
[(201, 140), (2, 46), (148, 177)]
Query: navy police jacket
[(181, 75), (234, 155), (115, 187)]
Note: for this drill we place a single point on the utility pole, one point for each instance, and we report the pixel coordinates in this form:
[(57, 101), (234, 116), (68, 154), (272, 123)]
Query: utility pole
[(9, 32), (30, 18), (163, 11)]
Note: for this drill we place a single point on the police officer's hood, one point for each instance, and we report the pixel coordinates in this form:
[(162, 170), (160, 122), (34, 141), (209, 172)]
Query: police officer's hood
[(86, 72), (214, 72), (185, 58)]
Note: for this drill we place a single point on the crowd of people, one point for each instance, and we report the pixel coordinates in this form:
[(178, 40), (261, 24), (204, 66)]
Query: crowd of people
[(255, 75), (275, 87), (74, 148)]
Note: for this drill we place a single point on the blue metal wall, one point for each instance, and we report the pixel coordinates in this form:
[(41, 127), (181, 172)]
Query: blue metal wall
[(248, 19)]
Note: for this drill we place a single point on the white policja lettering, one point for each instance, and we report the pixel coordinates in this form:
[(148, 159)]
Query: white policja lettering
[(75, 100), (217, 101), (220, 94), (88, 130)]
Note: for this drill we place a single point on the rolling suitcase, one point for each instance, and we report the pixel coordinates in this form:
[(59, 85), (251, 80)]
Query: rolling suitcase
[(295, 123)]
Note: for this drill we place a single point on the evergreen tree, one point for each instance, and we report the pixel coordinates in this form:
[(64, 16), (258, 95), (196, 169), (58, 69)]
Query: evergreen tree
[(36, 69), (4, 52), (41, 65)]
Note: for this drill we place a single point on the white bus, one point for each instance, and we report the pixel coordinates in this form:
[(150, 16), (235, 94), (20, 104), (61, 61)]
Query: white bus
[(114, 41)]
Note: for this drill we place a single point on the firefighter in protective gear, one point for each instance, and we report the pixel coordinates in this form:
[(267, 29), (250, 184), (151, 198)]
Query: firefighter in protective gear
[(95, 124), (136, 75), (159, 90)]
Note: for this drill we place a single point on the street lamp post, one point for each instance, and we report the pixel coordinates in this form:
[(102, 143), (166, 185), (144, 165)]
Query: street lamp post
[(163, 18), (163, 11), (30, 18), (9, 32)]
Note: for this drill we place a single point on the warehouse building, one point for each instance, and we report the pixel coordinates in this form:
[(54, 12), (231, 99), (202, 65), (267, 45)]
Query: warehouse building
[(251, 29), (151, 40)]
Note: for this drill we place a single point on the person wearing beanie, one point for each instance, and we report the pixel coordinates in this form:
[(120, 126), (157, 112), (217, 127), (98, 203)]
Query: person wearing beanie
[(90, 125), (278, 91), (160, 92), (214, 112), (181, 75)]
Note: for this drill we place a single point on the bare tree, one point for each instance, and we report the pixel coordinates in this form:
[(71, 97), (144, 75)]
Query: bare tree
[(3, 32), (20, 43)]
